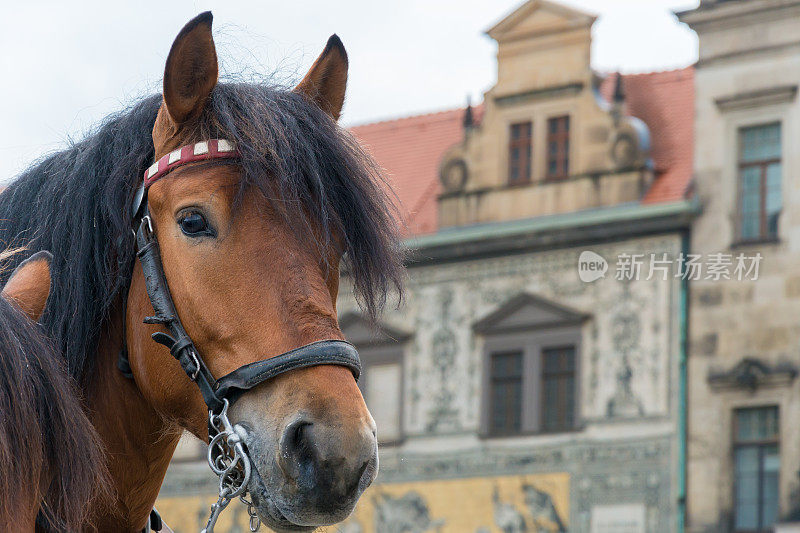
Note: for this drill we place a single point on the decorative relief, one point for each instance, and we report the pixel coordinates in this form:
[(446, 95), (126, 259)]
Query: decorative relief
[(629, 346), (443, 415)]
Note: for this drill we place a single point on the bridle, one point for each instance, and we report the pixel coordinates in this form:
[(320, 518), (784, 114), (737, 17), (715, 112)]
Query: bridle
[(227, 455)]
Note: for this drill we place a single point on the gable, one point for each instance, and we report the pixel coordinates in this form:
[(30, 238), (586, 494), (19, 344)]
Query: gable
[(360, 332), (539, 17), (527, 312)]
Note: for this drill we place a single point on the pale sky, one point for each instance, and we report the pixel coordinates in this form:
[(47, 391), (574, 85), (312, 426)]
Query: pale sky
[(66, 65)]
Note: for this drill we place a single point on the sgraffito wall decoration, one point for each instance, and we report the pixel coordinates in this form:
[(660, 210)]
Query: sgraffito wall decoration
[(503, 504)]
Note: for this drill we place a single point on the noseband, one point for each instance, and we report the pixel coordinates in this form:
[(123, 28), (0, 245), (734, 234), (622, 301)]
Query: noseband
[(226, 454)]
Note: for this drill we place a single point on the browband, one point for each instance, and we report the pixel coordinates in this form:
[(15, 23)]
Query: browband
[(202, 151), (211, 149)]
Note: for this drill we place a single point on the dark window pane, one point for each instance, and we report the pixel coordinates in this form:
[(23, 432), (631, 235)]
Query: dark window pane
[(750, 227), (558, 146), (756, 424), (505, 411), (519, 153), (760, 177), (558, 388), (760, 143), (756, 468)]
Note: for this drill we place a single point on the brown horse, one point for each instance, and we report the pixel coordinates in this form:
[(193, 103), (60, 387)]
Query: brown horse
[(50, 456), (251, 249)]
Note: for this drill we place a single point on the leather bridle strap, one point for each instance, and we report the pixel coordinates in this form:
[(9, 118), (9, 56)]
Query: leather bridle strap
[(329, 352), (179, 343)]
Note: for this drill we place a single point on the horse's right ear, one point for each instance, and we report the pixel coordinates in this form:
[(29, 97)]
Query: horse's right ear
[(191, 71), (29, 284)]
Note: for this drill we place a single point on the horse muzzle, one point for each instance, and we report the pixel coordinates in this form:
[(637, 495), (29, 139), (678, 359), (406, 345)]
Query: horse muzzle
[(310, 472)]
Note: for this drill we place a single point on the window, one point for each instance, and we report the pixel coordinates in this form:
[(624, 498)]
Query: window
[(558, 147), (381, 382), (558, 388), (760, 173), (506, 393), (531, 389), (519, 153), (756, 466), (531, 367)]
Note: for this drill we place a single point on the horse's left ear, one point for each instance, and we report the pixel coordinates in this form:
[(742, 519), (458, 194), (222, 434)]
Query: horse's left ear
[(191, 72), (29, 284), (326, 81)]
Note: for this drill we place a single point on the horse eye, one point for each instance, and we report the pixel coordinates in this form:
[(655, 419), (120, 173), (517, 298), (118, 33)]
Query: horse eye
[(194, 224)]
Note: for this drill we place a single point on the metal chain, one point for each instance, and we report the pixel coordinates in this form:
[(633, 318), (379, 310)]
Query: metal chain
[(228, 459), (255, 520)]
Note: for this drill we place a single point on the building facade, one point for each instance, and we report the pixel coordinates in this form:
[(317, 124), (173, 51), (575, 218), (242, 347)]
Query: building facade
[(523, 390), (744, 398), (533, 377)]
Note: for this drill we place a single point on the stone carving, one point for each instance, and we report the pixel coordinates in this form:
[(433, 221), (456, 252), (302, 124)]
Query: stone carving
[(406, 514), (506, 516), (444, 415), (751, 373), (626, 336), (544, 512)]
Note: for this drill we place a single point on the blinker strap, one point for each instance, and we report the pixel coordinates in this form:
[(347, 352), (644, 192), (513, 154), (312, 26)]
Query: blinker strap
[(326, 352), (179, 342)]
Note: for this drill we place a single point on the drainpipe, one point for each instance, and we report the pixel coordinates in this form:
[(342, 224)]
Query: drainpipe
[(682, 391)]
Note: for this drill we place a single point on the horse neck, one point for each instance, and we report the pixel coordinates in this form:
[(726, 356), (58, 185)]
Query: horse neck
[(138, 442)]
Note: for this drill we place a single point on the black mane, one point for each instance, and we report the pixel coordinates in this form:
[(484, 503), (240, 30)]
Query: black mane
[(75, 203), (42, 424)]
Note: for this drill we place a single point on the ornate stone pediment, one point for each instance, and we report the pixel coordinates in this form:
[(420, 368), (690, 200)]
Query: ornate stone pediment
[(751, 373), (538, 17), (527, 311), (361, 332)]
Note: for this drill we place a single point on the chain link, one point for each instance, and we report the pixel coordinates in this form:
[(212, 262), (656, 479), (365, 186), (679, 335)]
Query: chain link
[(255, 520), (228, 459)]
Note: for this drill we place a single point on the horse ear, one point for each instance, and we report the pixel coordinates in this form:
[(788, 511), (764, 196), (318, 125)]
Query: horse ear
[(29, 284), (191, 71), (326, 81)]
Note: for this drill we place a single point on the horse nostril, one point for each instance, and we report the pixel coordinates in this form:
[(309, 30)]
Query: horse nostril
[(295, 448)]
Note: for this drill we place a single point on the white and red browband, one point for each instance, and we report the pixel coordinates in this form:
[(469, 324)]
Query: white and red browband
[(204, 150)]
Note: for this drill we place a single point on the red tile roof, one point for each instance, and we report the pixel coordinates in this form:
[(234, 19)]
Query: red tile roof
[(665, 102), (410, 149)]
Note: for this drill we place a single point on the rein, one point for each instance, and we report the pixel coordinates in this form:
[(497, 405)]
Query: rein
[(227, 455)]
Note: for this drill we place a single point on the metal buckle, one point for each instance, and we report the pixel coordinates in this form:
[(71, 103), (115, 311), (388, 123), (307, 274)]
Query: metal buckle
[(197, 367)]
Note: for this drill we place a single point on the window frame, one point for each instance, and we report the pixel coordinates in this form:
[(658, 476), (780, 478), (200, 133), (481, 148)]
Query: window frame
[(760, 445), (762, 165), (562, 139), (531, 343), (520, 143)]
